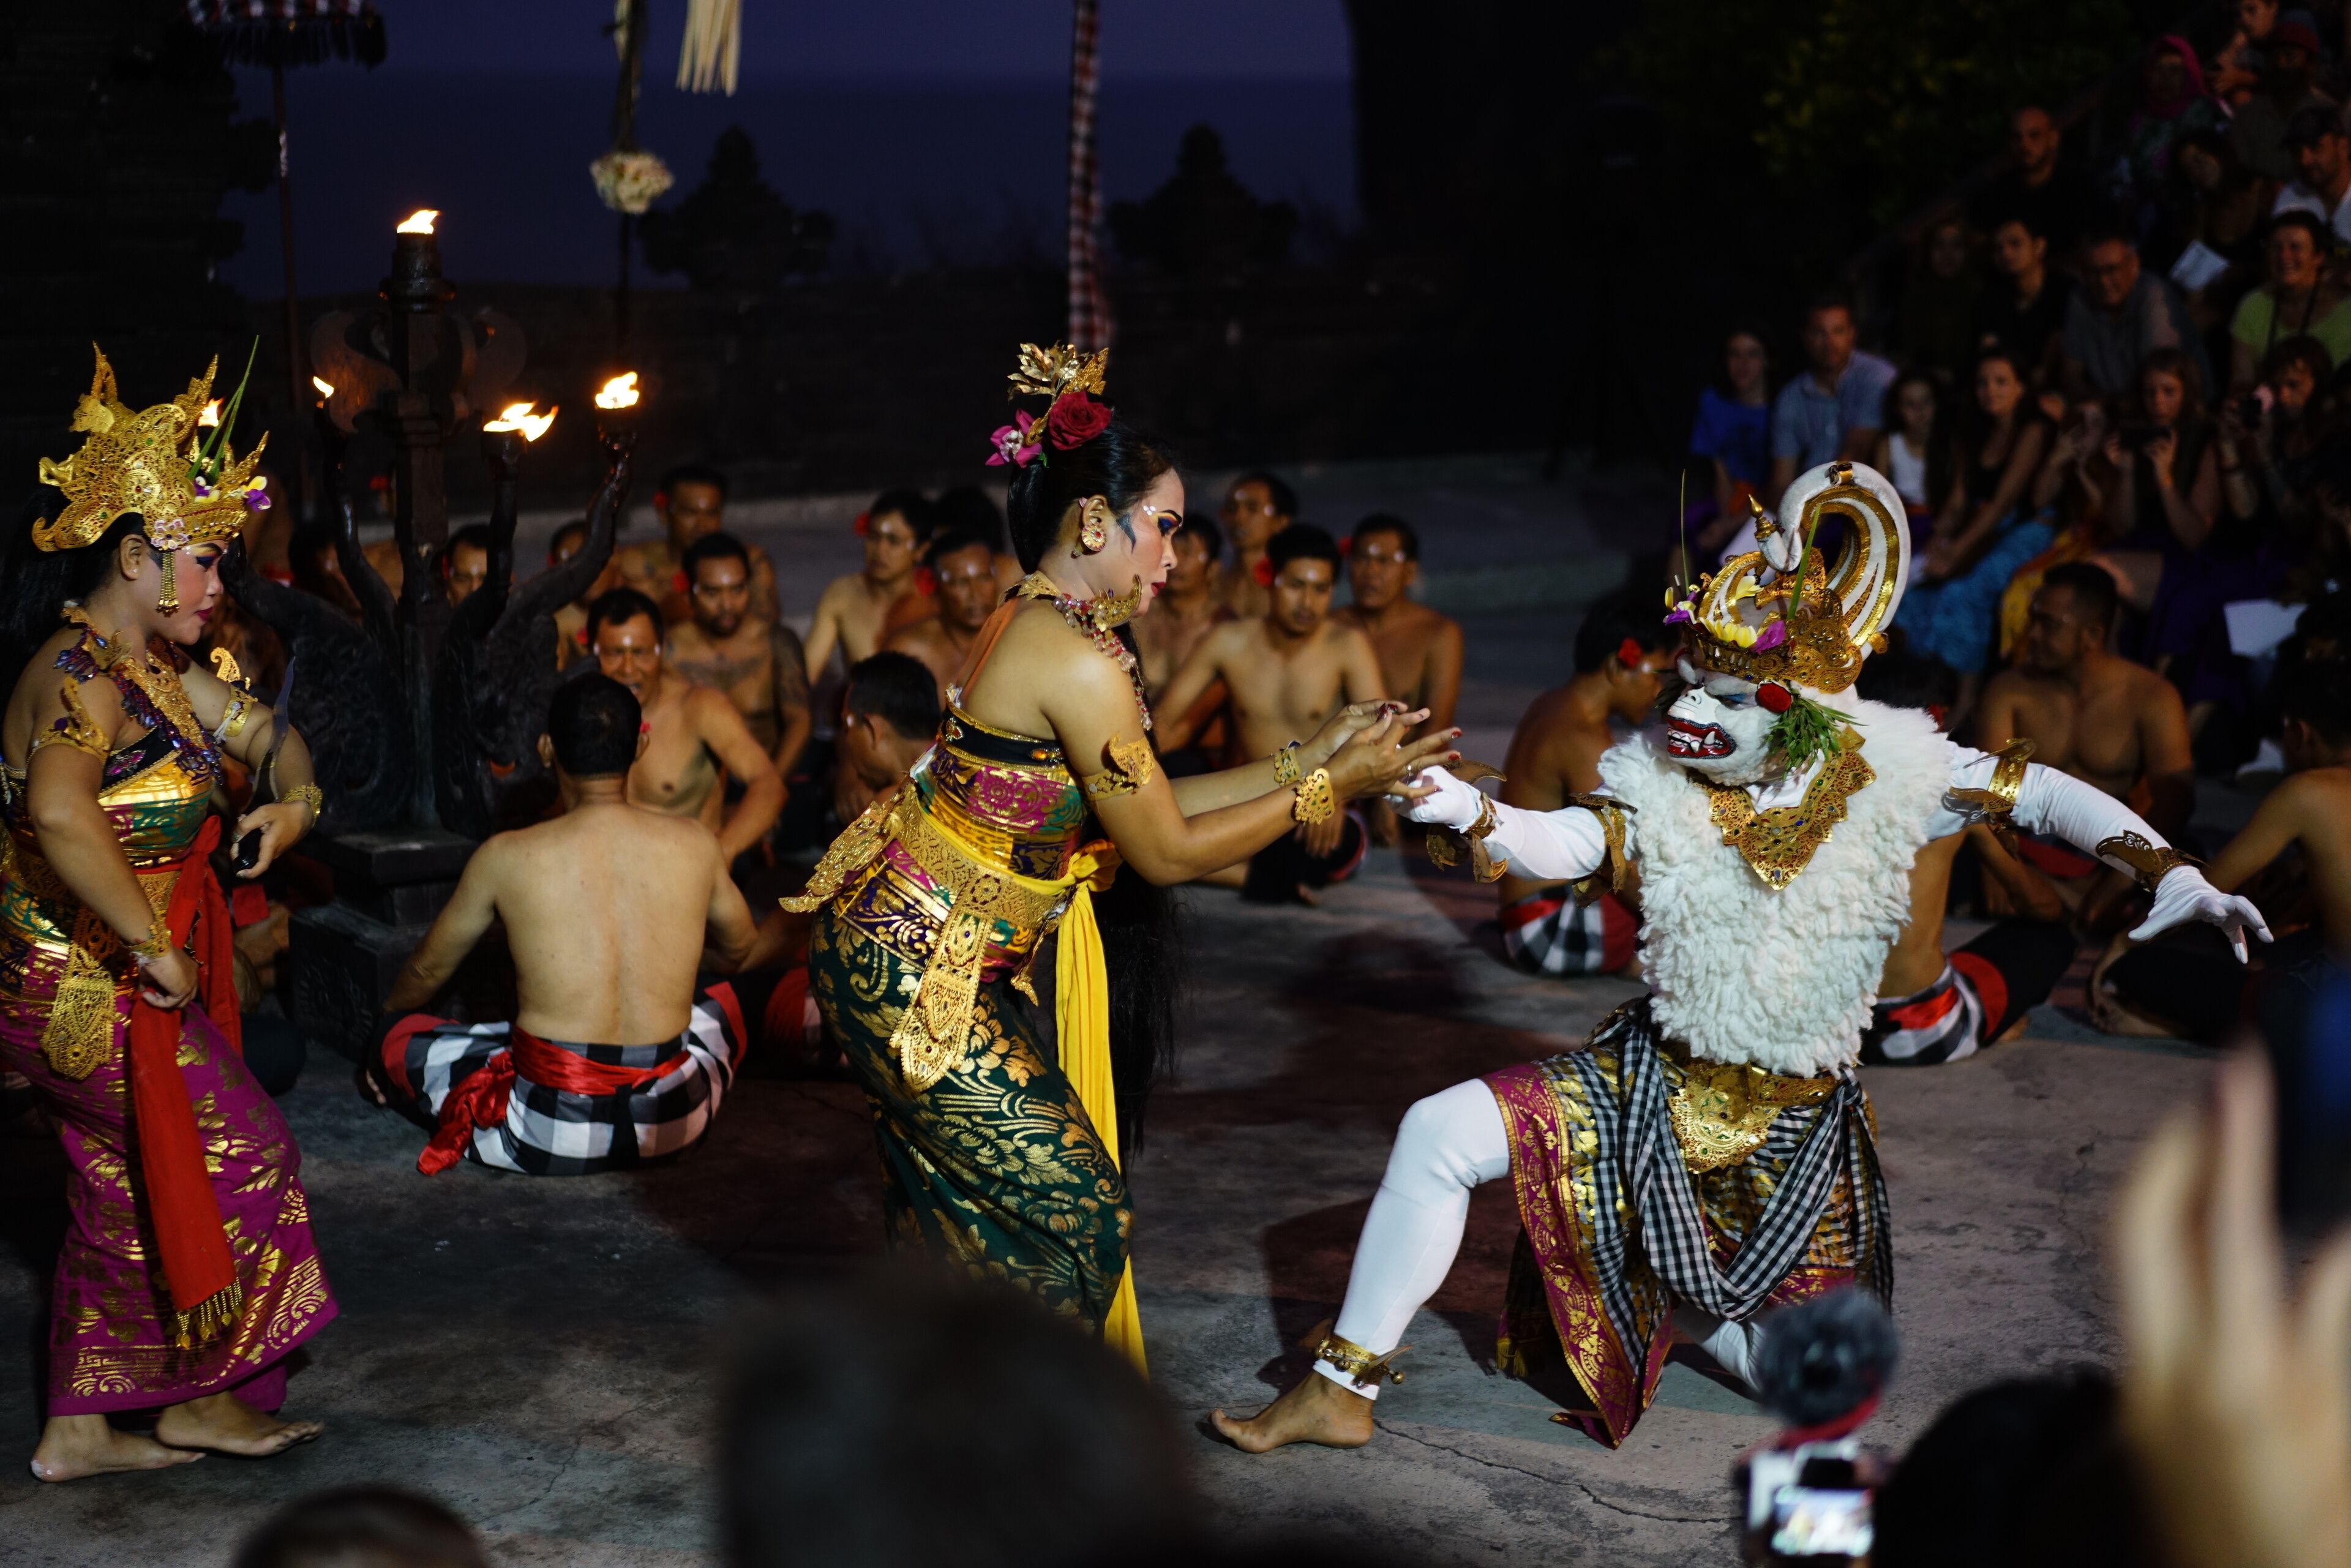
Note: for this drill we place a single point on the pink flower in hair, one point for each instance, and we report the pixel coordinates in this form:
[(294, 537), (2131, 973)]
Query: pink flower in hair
[(1012, 443), (1771, 636)]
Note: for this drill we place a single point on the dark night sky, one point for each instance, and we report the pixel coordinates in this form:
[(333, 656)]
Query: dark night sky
[(932, 130)]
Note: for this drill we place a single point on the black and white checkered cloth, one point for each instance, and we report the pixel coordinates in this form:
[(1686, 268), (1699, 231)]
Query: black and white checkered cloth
[(1638, 1162)]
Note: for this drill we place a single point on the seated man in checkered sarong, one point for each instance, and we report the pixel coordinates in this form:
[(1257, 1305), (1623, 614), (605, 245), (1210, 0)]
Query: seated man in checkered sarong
[(614, 1056), (1621, 652), (1709, 1152)]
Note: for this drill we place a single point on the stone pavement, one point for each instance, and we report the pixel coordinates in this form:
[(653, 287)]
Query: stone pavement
[(542, 1355)]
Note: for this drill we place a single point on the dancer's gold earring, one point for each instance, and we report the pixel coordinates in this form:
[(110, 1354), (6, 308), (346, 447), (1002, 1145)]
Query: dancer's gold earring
[(1093, 533), (168, 601)]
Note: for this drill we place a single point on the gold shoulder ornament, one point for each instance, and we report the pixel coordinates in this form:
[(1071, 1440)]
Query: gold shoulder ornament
[(76, 729), (1131, 765)]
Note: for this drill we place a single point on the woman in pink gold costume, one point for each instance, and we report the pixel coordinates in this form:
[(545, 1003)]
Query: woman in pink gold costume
[(188, 1271)]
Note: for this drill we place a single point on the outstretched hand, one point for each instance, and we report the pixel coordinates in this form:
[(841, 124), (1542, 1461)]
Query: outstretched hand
[(1348, 723), (1442, 800), (1376, 757), (2184, 895)]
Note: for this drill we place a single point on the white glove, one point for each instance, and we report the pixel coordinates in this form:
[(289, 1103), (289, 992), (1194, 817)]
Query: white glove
[(2184, 895), (1454, 804)]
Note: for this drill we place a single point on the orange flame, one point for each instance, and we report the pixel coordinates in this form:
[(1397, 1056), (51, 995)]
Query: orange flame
[(621, 391), (211, 414), (525, 417), (325, 388), (418, 222)]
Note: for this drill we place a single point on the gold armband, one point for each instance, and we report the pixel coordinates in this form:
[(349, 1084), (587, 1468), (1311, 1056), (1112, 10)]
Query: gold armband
[(1618, 873), (1132, 764), (1361, 1366), (233, 722), (2151, 864), (1286, 768), (76, 729), (1315, 802), (1995, 807), (308, 795)]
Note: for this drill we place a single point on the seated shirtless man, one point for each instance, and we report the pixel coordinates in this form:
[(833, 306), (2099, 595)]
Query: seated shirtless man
[(2095, 715), (1621, 651), (850, 611), (889, 714), (1186, 607), (1258, 506), (1419, 650), (690, 502), (571, 620), (2172, 986), (964, 564), (694, 736), (757, 663), (1287, 670), (614, 1056)]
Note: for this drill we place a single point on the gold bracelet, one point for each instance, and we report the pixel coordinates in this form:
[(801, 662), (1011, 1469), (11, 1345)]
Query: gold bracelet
[(308, 795), (158, 942), (1362, 1368), (1286, 769), (2150, 863), (1315, 802)]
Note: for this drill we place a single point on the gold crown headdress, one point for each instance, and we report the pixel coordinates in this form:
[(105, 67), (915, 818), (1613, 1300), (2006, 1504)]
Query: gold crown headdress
[(1062, 376), (1765, 616), (157, 462)]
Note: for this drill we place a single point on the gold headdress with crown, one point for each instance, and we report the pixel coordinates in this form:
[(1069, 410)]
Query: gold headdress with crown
[(155, 461), (1780, 613)]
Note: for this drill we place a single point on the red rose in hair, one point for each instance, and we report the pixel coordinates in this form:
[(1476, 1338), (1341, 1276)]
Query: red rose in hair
[(1074, 420), (1628, 654), (1775, 698), (865, 522)]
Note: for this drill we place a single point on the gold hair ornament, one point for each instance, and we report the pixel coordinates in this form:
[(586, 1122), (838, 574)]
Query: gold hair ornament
[(156, 462)]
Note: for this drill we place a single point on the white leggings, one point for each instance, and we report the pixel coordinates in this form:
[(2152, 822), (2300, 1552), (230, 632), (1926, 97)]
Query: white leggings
[(1447, 1145)]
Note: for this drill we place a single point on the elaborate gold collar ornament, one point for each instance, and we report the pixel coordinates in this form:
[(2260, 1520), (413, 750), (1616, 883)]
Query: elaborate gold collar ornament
[(1099, 620), (169, 464), (1779, 614), (1779, 843)]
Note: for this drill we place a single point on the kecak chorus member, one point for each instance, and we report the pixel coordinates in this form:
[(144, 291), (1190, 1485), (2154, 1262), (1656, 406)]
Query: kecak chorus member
[(1000, 1148), (1709, 1153), (188, 1272), (614, 1057)]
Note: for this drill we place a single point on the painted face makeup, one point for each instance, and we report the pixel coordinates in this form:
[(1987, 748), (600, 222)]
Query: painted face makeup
[(1718, 728)]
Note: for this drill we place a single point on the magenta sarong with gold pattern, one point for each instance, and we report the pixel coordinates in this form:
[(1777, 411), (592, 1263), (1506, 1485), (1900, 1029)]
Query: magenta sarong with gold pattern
[(108, 1347)]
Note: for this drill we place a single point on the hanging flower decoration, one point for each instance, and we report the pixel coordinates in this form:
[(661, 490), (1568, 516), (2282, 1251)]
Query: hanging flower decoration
[(630, 179)]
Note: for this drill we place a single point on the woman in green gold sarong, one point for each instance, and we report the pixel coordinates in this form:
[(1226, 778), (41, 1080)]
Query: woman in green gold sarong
[(1000, 1132)]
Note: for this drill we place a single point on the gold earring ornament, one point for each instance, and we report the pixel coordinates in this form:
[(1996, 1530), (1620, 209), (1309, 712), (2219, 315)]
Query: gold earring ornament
[(1093, 533), (168, 601)]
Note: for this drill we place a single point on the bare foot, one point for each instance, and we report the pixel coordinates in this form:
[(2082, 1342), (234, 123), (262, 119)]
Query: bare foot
[(1313, 1410), (370, 1087), (227, 1424), (73, 1447)]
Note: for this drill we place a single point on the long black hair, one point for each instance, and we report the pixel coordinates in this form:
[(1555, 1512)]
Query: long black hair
[(1140, 932), (35, 584)]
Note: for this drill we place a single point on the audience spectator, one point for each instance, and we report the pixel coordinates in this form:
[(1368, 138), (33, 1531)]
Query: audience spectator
[(1911, 449), (2173, 103), (363, 1527), (2297, 298), (2289, 65), (1935, 322), (2237, 69), (851, 612), (1832, 410), (1257, 506), (2274, 431), (691, 501), (850, 1410), (963, 565), (2214, 210), (890, 713), (2167, 490), (2041, 188), (2070, 493), (2119, 315), (1984, 530), (466, 562), (1622, 652), (2025, 311), (2322, 157), (970, 507), (1732, 433), (693, 739)]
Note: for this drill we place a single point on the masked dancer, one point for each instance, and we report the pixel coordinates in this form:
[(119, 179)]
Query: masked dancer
[(1709, 1153), (188, 1271), (1000, 1138)]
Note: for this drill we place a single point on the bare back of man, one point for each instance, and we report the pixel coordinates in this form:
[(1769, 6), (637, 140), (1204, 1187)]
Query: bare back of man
[(605, 909)]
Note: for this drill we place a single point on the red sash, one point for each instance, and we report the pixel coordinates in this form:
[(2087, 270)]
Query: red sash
[(481, 1100), (192, 1247)]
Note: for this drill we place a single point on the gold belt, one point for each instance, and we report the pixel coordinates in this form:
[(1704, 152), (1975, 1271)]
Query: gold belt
[(936, 1025)]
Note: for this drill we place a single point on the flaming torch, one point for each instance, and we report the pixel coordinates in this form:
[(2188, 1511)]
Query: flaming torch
[(618, 403)]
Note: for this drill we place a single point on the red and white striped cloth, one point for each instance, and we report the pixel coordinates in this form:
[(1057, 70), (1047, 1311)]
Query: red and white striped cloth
[(1090, 324)]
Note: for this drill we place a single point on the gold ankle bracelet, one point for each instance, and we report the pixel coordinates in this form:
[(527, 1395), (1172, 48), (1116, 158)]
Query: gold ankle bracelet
[(1362, 1368)]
